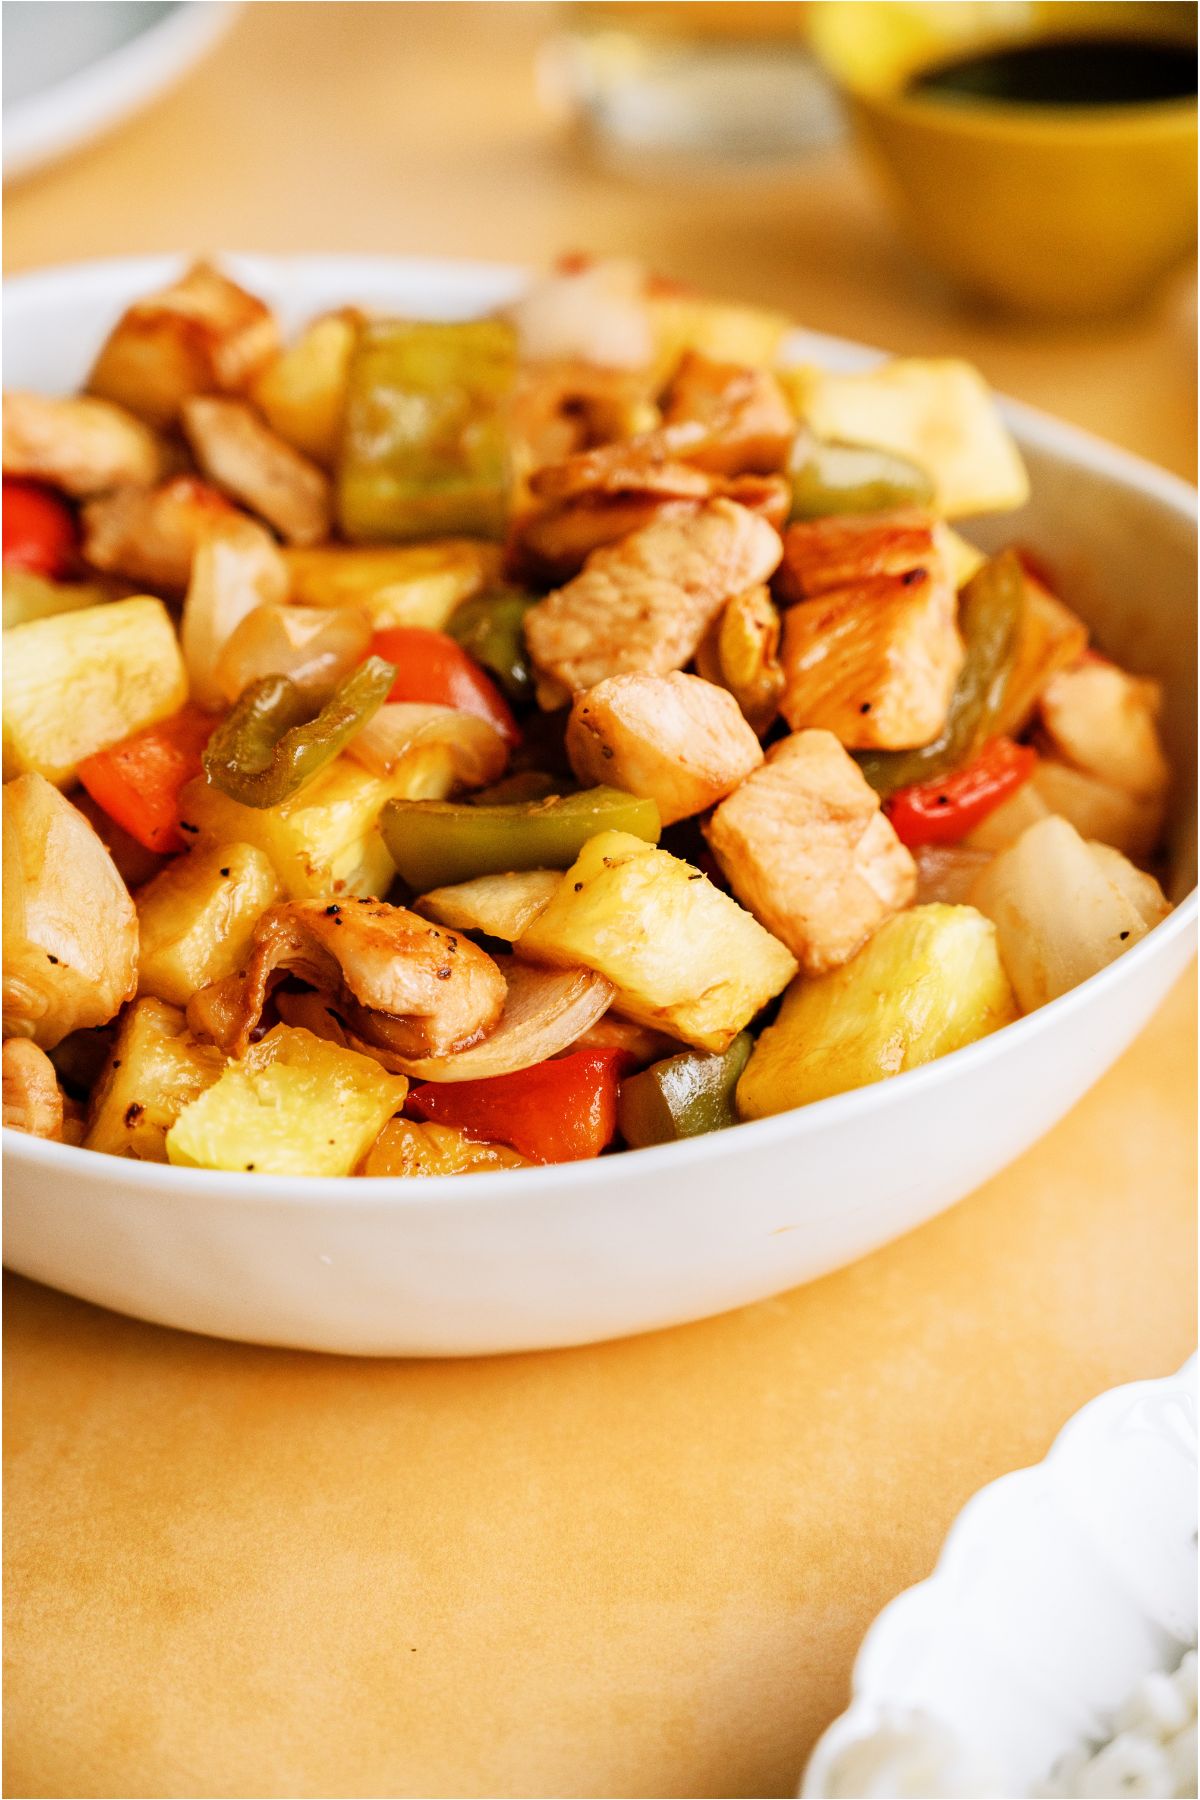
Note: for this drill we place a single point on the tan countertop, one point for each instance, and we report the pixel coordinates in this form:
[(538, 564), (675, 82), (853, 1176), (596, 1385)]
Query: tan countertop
[(636, 1569)]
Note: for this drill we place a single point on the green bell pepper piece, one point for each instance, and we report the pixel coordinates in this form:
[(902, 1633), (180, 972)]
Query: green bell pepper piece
[(682, 1096), (270, 745), (832, 478), (435, 843), (425, 441), (991, 612), (491, 628)]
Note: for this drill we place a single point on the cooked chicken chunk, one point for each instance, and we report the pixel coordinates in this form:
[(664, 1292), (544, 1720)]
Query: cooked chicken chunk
[(805, 847), (33, 1101), (654, 463), (823, 556), (433, 990), (874, 656), (751, 426), (149, 535), (1103, 721), (82, 446), (673, 739), (552, 543), (70, 929), (204, 334), (245, 458), (645, 603)]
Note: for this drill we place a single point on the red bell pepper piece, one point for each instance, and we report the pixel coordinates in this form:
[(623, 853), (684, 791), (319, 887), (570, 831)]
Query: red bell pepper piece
[(137, 781), (557, 1111), (945, 810), (431, 667), (39, 529)]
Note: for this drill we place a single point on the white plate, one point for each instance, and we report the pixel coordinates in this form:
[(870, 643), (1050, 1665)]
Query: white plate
[(566, 1255), (74, 69), (1058, 1589)]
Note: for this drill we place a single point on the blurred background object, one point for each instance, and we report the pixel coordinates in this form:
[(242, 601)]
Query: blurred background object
[(728, 82), (74, 68), (1043, 155)]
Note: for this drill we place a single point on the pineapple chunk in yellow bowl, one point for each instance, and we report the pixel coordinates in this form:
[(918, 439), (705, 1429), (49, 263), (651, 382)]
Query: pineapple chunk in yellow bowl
[(1056, 209)]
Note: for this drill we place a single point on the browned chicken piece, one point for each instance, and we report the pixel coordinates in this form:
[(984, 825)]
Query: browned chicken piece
[(33, 1101), (149, 535), (806, 849), (750, 424), (1104, 721), (202, 335), (82, 446), (654, 463), (875, 656), (673, 739), (560, 408), (432, 990), (822, 556), (246, 459), (70, 928), (645, 603), (553, 542)]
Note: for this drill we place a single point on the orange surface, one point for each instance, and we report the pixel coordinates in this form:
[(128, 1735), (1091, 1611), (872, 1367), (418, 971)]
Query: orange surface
[(636, 1569)]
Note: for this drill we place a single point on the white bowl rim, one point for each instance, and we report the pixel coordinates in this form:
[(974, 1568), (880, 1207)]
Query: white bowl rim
[(1013, 1484), (383, 1190)]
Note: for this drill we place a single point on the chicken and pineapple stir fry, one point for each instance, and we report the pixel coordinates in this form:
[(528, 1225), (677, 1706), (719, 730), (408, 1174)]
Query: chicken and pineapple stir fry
[(436, 747)]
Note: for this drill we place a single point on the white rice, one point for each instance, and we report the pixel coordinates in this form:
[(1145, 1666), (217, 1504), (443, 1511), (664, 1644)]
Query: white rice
[(1152, 1751)]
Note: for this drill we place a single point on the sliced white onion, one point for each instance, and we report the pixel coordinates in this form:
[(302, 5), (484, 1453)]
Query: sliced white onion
[(315, 646), (408, 730), (546, 1011)]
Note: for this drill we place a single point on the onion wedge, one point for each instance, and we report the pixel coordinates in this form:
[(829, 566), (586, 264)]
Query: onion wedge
[(545, 1012)]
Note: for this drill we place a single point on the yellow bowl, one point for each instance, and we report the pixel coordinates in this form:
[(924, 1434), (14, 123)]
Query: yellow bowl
[(1067, 211)]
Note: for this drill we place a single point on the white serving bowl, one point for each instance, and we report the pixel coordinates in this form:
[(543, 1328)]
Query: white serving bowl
[(1059, 1588), (530, 1259)]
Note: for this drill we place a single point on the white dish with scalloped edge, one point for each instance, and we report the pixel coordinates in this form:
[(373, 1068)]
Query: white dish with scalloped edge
[(1059, 1588), (570, 1254)]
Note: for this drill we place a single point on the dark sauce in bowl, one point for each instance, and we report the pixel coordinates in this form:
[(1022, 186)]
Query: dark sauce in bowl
[(1077, 71)]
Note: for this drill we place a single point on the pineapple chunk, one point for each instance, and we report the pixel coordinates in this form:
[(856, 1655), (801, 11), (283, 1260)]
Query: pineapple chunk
[(293, 1105), (155, 1068), (1005, 823), (1130, 823), (964, 558), (28, 596), (196, 919), (939, 414), (324, 840), (682, 955), (76, 683), (1060, 915), (404, 584), (302, 392), (202, 335), (404, 1148), (722, 330), (929, 981), (1105, 722), (503, 906)]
